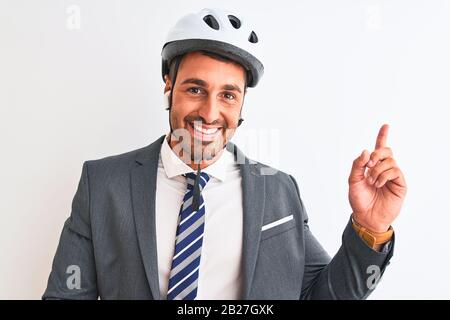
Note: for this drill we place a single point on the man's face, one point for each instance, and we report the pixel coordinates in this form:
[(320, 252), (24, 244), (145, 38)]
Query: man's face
[(206, 101)]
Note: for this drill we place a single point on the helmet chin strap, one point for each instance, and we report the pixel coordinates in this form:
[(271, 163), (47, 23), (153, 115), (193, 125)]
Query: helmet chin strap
[(238, 124), (240, 115), (177, 65), (196, 195), (197, 192)]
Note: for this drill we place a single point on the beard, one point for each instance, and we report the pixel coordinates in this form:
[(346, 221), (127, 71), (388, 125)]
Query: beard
[(192, 150)]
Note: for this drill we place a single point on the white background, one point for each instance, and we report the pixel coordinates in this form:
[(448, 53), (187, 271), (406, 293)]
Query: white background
[(335, 72)]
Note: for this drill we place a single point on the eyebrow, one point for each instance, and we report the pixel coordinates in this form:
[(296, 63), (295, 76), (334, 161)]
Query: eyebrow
[(232, 87), (202, 83)]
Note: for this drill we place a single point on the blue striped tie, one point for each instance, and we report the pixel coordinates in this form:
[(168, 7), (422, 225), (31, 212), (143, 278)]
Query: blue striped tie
[(183, 281)]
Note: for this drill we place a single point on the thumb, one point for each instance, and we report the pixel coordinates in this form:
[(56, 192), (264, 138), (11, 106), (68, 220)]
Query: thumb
[(359, 167)]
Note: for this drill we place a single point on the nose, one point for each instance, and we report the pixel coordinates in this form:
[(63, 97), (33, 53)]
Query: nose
[(209, 111)]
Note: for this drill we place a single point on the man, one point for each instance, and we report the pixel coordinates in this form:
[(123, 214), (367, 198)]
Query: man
[(190, 217)]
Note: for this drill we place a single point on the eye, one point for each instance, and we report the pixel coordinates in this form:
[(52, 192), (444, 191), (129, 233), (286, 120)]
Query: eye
[(195, 90), (229, 96)]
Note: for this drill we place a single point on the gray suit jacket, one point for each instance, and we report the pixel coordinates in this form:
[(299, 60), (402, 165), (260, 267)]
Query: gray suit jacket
[(110, 237)]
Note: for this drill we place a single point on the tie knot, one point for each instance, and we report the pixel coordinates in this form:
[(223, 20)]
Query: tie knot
[(203, 180)]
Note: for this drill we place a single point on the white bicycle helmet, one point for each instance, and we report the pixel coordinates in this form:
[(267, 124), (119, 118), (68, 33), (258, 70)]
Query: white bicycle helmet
[(216, 31)]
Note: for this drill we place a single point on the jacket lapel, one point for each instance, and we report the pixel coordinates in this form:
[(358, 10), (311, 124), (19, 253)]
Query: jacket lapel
[(253, 192), (143, 192)]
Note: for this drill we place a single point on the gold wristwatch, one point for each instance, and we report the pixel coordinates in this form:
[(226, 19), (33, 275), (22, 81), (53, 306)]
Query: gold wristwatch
[(370, 237)]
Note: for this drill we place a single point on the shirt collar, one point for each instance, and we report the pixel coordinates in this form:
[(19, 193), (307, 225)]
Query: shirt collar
[(174, 166)]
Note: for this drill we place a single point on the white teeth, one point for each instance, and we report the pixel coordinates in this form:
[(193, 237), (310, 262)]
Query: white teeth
[(204, 130)]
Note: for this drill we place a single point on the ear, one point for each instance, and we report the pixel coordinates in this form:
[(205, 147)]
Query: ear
[(168, 85)]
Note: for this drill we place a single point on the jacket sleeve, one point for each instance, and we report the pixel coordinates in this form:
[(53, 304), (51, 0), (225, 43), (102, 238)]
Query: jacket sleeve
[(351, 274), (73, 273)]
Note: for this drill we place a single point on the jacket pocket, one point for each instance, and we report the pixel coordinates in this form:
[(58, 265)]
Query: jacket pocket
[(276, 227)]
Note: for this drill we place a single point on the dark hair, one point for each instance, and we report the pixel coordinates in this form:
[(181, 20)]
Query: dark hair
[(175, 63)]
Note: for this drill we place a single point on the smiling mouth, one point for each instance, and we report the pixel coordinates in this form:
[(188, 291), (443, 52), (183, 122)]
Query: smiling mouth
[(202, 132)]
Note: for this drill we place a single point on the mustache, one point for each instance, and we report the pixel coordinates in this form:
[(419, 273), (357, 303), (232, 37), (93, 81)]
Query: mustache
[(220, 123)]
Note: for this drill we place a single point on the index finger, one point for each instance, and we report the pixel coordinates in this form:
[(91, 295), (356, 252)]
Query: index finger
[(382, 137)]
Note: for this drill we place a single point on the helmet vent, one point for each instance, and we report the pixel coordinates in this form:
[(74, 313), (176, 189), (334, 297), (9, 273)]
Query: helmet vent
[(253, 37), (211, 21), (235, 22)]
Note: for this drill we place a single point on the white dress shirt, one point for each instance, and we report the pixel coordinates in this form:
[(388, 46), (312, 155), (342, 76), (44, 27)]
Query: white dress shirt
[(220, 275)]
